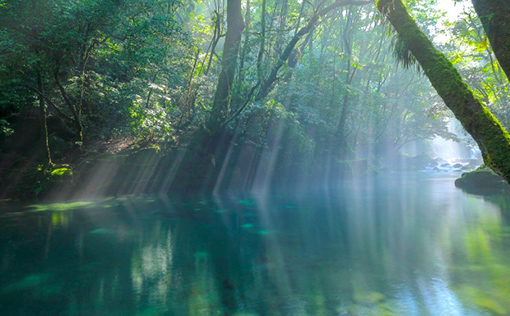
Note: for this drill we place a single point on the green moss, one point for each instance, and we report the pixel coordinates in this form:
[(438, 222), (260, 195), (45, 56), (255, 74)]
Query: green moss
[(495, 141), (62, 172), (482, 181)]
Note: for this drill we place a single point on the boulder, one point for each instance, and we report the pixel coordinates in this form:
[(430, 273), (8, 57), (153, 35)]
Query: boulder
[(483, 181)]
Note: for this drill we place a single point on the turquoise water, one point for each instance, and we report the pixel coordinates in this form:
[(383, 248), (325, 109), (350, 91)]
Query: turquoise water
[(390, 245)]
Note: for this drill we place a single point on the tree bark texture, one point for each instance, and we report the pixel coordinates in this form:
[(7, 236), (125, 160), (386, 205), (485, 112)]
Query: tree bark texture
[(492, 138)]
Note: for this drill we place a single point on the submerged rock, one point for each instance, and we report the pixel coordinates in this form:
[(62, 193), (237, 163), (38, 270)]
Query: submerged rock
[(368, 297), (483, 181), (28, 282)]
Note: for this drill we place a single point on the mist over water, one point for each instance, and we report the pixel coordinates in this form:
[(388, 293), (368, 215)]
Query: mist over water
[(400, 244), (440, 154), (462, 150)]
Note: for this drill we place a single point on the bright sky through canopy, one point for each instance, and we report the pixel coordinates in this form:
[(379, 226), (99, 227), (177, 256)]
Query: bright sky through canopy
[(451, 8), (453, 11)]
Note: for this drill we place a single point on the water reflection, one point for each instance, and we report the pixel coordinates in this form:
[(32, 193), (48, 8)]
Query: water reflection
[(393, 245)]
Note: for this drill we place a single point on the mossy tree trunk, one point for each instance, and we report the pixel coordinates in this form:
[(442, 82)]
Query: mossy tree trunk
[(492, 138), (495, 17)]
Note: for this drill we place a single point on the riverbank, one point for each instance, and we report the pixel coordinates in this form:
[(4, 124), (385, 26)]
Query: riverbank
[(133, 166)]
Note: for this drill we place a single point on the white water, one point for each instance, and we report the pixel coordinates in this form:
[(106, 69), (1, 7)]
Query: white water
[(464, 151)]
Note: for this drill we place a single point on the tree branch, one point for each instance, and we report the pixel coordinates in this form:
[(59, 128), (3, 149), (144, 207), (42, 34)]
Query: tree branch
[(49, 102)]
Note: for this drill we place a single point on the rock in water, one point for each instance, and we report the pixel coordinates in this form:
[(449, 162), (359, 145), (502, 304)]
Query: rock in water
[(483, 181)]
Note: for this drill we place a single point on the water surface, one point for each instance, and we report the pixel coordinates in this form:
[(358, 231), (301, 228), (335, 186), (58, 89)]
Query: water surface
[(408, 244)]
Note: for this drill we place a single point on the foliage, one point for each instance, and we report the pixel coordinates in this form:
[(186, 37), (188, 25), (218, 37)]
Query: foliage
[(103, 53), (150, 69)]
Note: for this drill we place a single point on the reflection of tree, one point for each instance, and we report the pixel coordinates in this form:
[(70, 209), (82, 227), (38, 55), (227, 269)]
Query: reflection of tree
[(151, 267)]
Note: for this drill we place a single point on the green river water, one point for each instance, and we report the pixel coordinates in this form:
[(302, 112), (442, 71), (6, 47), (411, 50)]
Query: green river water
[(394, 244)]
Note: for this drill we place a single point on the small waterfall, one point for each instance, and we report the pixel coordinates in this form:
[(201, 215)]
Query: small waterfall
[(450, 154)]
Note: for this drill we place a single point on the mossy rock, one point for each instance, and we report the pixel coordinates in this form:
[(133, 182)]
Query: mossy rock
[(58, 179), (483, 181)]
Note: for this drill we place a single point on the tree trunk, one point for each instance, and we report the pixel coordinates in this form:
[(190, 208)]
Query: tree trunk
[(495, 17), (222, 96), (209, 146), (76, 112), (44, 126), (492, 138)]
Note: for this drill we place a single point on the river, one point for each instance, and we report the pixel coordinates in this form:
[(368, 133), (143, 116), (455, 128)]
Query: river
[(395, 244)]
